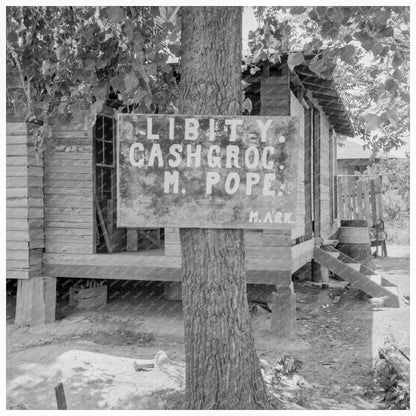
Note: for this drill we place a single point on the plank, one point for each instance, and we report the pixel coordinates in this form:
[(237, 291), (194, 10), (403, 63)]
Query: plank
[(74, 176), (17, 160), (17, 254), (60, 397), (35, 301), (72, 201), (20, 149), (70, 154), (24, 235), (69, 231), (17, 245), (17, 224), (23, 182), (67, 169), (69, 211), (59, 238), (57, 190), (17, 170), (17, 274), (16, 129), (71, 184), (17, 264), (75, 161), (14, 213), (24, 202), (65, 224), (74, 219), (69, 248), (16, 192), (268, 252)]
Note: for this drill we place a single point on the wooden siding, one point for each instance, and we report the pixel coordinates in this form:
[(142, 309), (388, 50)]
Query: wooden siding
[(328, 227), (24, 204), (69, 191), (296, 109)]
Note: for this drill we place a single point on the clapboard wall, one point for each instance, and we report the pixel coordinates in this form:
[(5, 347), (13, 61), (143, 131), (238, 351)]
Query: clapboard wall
[(329, 225), (69, 191), (296, 109), (24, 204)]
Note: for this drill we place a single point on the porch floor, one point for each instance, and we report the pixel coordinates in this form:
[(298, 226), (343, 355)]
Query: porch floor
[(149, 265)]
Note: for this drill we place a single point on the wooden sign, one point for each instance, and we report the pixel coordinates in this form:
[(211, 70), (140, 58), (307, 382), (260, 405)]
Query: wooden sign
[(206, 171)]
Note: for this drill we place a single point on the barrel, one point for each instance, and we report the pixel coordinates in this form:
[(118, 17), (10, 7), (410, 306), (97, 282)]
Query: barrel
[(354, 241)]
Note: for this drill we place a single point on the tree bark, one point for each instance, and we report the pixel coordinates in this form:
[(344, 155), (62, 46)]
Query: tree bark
[(222, 368)]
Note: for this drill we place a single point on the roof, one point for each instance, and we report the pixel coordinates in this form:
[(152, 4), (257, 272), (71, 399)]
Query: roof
[(322, 89), (353, 149)]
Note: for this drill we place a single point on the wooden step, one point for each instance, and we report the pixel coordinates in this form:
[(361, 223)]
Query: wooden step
[(372, 284)]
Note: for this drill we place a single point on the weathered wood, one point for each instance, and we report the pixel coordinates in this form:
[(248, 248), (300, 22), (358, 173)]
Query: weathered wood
[(275, 95), (75, 248), (67, 184), (17, 274), (58, 190), (72, 162), (74, 176), (24, 202), (257, 252), (23, 182), (74, 154), (35, 301), (60, 397), (284, 313), (364, 282), (103, 227), (16, 129), (50, 231), (68, 224), (253, 205)]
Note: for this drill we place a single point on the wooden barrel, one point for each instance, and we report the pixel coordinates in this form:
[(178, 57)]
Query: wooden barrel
[(354, 241)]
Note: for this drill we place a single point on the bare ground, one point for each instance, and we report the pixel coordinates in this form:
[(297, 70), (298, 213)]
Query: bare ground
[(336, 342)]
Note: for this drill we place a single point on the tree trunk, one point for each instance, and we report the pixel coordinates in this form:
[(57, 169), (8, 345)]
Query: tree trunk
[(222, 368)]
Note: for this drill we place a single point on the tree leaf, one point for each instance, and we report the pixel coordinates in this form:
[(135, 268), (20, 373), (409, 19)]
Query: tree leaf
[(372, 121), (398, 75), (151, 69), (397, 59), (130, 81), (294, 59), (139, 95), (347, 54), (100, 92), (175, 48), (297, 10), (382, 16), (115, 14)]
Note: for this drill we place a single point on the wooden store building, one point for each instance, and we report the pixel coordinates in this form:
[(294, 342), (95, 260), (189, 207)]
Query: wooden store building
[(62, 205)]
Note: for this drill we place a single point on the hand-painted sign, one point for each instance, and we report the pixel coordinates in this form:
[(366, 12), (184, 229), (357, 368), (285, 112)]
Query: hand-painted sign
[(206, 171)]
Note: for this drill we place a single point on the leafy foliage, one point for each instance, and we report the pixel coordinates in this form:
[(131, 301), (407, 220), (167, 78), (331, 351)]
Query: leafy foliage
[(391, 375), (365, 49), (395, 186), (70, 59)]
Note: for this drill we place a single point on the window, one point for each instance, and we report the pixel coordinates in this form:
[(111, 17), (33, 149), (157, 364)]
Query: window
[(105, 131)]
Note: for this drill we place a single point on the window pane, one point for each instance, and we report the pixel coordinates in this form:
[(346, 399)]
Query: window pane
[(108, 129), (99, 127), (107, 185), (99, 157), (108, 154), (98, 182)]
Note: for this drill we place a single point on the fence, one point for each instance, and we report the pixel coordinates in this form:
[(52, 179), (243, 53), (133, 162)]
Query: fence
[(359, 198)]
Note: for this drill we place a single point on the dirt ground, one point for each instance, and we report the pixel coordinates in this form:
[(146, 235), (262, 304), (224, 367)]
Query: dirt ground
[(336, 342)]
